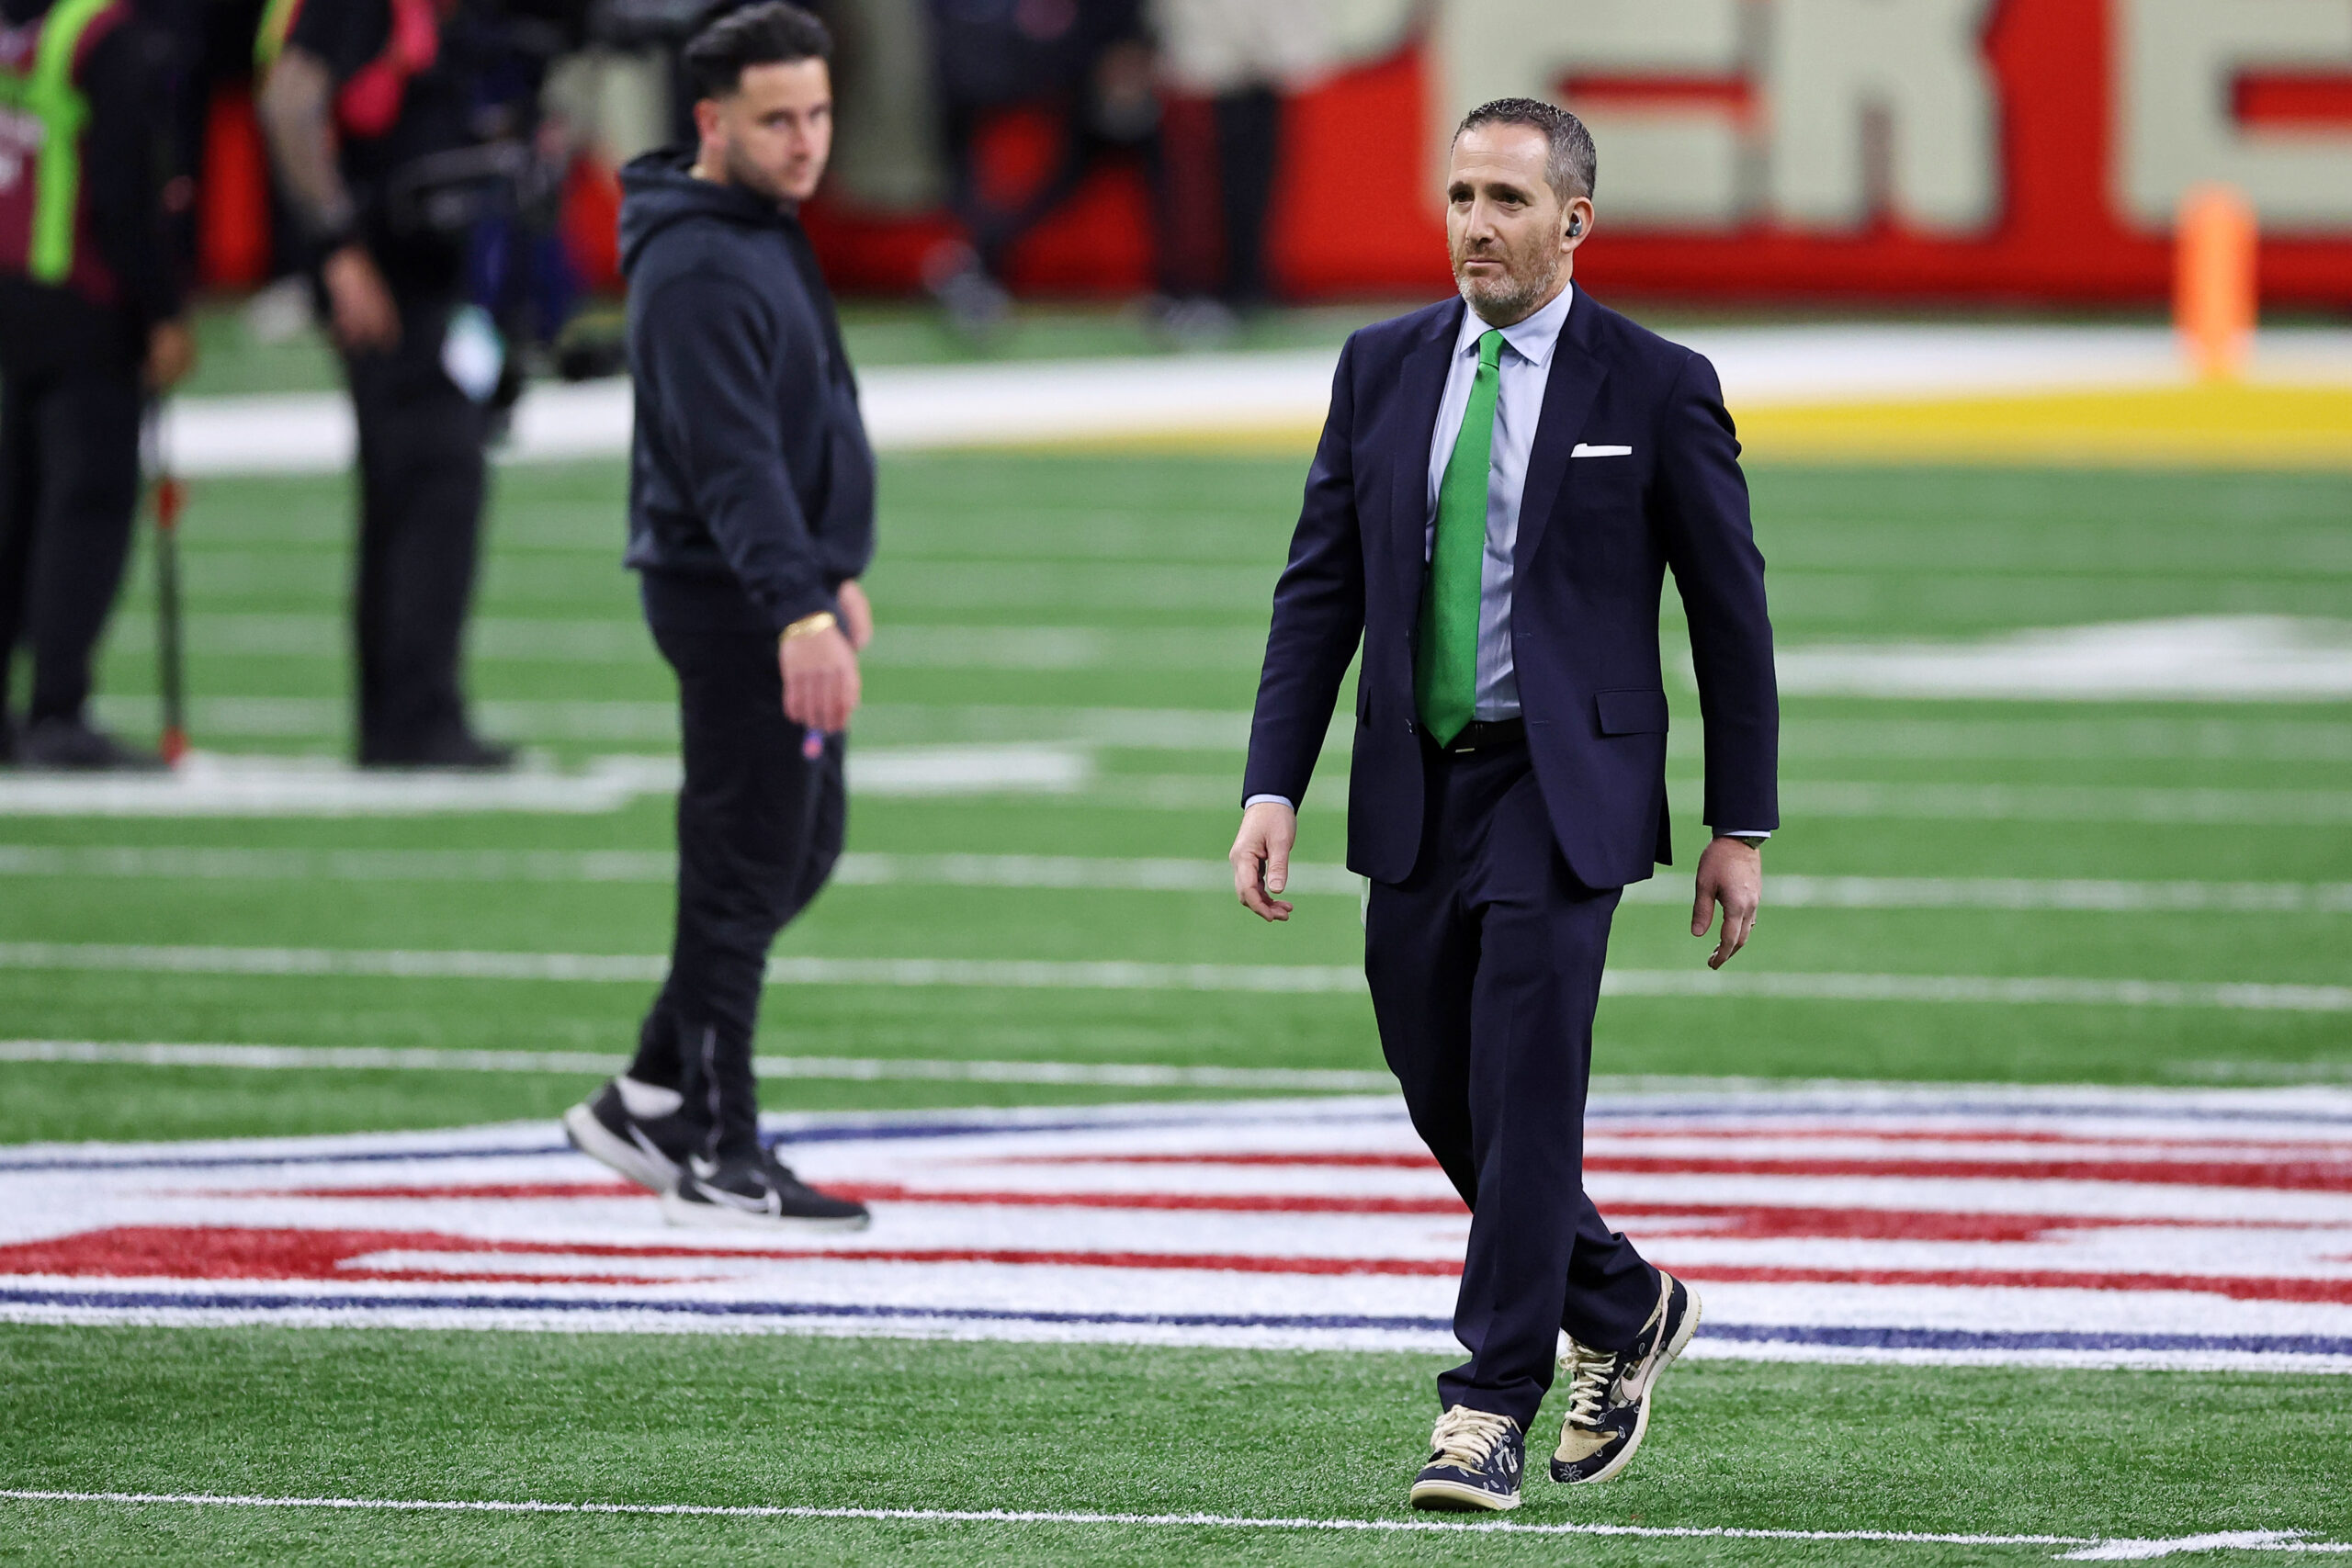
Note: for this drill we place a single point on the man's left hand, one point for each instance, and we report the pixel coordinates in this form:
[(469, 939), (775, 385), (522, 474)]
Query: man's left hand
[(171, 353), (1730, 874), (857, 615)]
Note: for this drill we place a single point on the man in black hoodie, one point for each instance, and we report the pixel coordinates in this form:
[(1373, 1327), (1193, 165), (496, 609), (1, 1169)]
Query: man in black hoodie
[(751, 517)]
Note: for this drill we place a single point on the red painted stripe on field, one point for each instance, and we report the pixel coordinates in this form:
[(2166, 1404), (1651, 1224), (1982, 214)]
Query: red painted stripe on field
[(1729, 1221), (2312, 1175), (2244, 1288), (884, 1193), (158, 1251), (2325, 1148), (1764, 1222), (205, 1252), (224, 1252), (230, 1253), (498, 1190)]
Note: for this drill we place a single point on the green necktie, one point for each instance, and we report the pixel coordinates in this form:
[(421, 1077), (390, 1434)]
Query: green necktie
[(1445, 673)]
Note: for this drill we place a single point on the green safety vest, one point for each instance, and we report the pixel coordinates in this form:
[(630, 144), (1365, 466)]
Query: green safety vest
[(277, 21), (47, 92)]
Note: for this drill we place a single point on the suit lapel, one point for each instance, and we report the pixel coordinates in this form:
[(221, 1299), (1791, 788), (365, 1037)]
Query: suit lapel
[(1568, 394), (1420, 388)]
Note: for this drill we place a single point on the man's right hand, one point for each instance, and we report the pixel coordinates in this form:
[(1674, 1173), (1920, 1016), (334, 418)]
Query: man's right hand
[(1260, 858), (171, 355), (820, 683), (361, 301)]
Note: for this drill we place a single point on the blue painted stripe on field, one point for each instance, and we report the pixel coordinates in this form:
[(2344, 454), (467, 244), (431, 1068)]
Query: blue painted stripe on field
[(1892, 1338), (882, 1131), (135, 1300), (1861, 1337), (216, 1161), (820, 1133), (1702, 1111)]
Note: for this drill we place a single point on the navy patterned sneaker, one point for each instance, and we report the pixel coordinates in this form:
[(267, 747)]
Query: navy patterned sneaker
[(1609, 1391), (635, 1128), (1475, 1459), (756, 1191)]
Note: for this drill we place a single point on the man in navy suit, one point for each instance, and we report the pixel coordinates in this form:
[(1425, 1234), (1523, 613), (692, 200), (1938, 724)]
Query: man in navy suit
[(1503, 482)]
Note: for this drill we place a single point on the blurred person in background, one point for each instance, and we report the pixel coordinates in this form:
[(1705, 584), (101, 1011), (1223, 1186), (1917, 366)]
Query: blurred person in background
[(90, 328), (398, 127), (1088, 63), (751, 519), (1232, 62)]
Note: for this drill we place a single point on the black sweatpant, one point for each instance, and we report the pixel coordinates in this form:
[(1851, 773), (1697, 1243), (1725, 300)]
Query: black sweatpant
[(1484, 969), (760, 824), (1249, 145), (1214, 186), (422, 477), (69, 493)]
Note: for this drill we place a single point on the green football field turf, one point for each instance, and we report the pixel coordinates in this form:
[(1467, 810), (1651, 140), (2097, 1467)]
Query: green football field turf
[(1140, 584), (865, 1424), (1117, 602)]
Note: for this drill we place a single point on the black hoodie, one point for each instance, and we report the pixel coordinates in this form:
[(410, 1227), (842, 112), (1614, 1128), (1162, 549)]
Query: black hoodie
[(750, 480)]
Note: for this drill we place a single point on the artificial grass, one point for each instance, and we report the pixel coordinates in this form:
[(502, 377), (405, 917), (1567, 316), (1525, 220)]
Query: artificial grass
[(840, 1423), (1132, 545)]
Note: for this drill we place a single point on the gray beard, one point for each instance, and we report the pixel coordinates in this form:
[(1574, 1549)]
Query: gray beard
[(1514, 306)]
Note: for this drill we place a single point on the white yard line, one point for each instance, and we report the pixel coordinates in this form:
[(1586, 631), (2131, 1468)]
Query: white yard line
[(600, 642), (2087, 1548), (2184, 658), (2197, 658), (1903, 734), (872, 869), (852, 1069), (225, 784), (1115, 974), (1125, 728), (2246, 735), (2044, 735), (221, 784), (2104, 896), (1772, 1093), (2067, 803)]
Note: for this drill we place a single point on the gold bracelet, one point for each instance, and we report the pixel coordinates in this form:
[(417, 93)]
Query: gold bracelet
[(809, 625)]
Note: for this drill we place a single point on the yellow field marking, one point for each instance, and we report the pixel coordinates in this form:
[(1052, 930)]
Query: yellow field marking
[(2200, 426), (1285, 439), (2220, 426)]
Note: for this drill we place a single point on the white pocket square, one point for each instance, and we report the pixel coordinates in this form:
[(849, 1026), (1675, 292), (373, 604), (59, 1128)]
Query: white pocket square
[(1583, 450)]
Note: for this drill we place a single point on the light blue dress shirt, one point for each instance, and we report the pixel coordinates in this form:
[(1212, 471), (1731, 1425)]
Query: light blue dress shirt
[(1525, 370)]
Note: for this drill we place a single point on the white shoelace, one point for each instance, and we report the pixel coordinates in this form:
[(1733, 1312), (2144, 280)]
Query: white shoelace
[(1467, 1438), (1589, 1375)]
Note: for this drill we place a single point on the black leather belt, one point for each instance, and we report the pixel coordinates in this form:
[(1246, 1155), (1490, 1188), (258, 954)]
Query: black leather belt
[(1484, 735)]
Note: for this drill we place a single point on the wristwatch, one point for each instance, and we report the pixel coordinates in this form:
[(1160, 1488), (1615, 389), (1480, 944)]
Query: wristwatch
[(809, 625)]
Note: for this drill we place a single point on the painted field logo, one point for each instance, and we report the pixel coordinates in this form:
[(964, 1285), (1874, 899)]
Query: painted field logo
[(1985, 1225)]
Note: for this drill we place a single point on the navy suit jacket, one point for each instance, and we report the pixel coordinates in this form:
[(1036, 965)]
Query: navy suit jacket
[(1596, 538)]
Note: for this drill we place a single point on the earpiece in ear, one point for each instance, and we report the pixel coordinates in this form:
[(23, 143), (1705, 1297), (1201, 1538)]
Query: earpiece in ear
[(1576, 227)]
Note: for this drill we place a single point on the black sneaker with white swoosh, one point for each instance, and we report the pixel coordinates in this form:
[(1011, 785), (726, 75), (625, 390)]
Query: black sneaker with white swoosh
[(635, 1128), (756, 1191)]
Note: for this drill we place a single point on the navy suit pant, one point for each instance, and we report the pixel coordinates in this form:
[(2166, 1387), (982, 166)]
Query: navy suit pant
[(1484, 968)]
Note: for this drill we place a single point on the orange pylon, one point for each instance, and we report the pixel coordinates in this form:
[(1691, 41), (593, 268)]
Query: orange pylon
[(2214, 291)]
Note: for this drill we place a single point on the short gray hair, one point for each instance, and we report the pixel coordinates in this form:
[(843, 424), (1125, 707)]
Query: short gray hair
[(1570, 166)]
